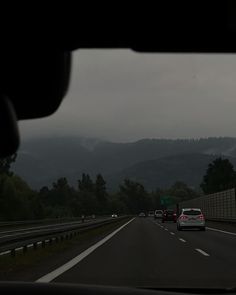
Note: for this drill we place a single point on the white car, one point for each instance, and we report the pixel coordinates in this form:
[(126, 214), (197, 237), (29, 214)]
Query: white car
[(191, 218), (158, 214)]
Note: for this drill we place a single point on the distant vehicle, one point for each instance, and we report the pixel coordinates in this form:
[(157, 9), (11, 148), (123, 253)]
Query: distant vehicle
[(151, 213), (191, 218), (142, 214), (114, 215), (83, 217), (158, 214), (169, 215)]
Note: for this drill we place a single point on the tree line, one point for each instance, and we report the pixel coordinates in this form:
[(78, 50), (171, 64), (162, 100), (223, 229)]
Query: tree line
[(19, 202)]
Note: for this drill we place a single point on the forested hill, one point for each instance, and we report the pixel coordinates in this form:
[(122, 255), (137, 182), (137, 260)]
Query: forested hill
[(154, 161), (163, 172)]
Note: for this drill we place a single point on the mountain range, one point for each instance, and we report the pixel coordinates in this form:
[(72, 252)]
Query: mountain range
[(153, 162)]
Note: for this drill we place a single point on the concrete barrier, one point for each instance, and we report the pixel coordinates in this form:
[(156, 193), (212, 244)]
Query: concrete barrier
[(219, 206)]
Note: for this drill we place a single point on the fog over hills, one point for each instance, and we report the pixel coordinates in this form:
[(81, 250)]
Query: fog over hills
[(154, 162)]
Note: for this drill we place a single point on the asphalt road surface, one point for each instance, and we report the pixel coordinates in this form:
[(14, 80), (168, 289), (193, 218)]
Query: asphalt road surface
[(147, 253)]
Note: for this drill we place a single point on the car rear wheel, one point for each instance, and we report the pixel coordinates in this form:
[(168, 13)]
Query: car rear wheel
[(202, 228)]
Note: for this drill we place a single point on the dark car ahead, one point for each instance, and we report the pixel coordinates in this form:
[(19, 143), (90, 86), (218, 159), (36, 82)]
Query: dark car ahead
[(169, 215)]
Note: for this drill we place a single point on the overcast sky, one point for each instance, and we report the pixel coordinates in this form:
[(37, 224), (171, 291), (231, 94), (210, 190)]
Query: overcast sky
[(120, 95)]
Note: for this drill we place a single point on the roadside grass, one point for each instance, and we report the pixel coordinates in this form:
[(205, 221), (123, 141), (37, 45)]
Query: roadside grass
[(22, 261)]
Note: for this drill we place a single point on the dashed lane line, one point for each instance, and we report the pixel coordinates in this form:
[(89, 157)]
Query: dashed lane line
[(5, 252), (182, 240), (18, 249), (202, 252)]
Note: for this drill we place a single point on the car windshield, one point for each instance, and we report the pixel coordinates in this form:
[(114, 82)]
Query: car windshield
[(192, 212), (138, 134)]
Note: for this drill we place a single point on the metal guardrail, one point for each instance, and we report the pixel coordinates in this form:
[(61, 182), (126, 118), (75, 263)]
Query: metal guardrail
[(44, 221), (219, 206), (37, 221), (24, 240)]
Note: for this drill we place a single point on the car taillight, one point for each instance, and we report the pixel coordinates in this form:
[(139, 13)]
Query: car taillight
[(183, 217), (201, 217)]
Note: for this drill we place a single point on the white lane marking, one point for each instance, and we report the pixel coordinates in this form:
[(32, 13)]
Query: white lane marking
[(166, 228), (57, 272), (221, 231), (172, 233), (18, 249), (182, 240), (4, 253), (202, 252)]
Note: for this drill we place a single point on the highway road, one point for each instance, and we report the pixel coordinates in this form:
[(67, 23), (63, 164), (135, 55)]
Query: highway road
[(147, 253)]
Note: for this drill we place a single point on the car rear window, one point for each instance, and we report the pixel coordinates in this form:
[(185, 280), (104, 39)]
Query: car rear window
[(192, 212)]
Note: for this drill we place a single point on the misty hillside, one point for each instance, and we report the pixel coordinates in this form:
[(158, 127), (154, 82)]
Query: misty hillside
[(163, 172), (42, 161)]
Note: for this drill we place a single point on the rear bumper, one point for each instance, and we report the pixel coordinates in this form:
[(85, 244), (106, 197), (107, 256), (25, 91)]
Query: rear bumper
[(192, 224)]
